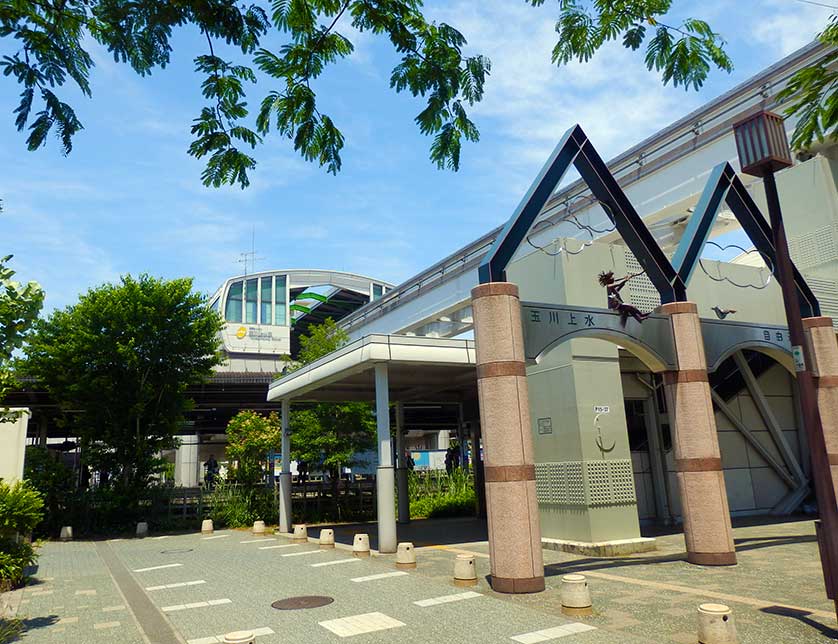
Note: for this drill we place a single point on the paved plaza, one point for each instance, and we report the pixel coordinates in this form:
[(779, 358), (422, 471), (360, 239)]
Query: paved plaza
[(192, 589)]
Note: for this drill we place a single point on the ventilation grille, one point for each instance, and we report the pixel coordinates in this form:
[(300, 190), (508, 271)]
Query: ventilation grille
[(604, 483), (815, 248), (641, 292), (827, 293)]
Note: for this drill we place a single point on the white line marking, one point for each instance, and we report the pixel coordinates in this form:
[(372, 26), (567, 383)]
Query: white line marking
[(445, 599), (357, 624), (334, 563), (307, 552), (165, 536), (262, 540), (383, 575), (217, 639), (211, 602), (110, 609), (180, 584), (157, 567), (218, 536), (89, 593), (284, 545), (68, 620), (552, 633), (106, 625)]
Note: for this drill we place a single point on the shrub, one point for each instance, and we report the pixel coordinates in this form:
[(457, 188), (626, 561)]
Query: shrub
[(55, 482), (236, 506), (436, 494), (21, 508), (10, 629), (15, 558)]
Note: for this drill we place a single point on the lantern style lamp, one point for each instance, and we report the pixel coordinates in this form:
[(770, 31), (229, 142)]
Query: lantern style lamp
[(762, 145)]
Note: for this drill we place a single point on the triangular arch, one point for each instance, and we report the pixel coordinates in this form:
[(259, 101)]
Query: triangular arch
[(575, 149), (725, 186)]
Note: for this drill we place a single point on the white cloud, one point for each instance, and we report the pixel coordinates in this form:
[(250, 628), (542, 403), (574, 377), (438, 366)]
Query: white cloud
[(786, 25)]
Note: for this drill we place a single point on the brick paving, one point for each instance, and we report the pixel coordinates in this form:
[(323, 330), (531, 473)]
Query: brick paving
[(89, 593)]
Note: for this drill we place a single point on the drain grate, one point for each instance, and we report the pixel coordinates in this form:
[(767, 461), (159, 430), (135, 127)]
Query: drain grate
[(176, 551), (304, 601)]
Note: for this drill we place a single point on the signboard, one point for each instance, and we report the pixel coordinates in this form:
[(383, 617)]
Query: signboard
[(602, 409), (546, 325)]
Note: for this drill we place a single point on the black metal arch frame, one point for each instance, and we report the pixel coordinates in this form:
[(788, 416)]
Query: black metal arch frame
[(724, 186), (575, 149)]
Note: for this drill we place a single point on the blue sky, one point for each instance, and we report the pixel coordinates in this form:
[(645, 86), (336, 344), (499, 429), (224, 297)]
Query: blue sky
[(129, 198)]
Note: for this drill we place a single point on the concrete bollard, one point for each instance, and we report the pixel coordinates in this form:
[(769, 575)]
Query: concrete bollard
[(142, 530), (715, 625), (405, 556), (239, 637), (66, 533), (576, 596), (361, 545), (465, 573), (206, 526), (300, 533), (327, 538), (259, 528)]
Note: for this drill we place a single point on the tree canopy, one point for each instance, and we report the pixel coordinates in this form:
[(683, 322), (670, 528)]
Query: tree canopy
[(52, 41), (119, 361), (250, 436)]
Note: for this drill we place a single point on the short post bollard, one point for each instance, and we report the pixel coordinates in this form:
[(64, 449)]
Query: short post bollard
[(239, 637), (576, 596), (142, 530), (66, 533), (300, 533), (715, 624), (259, 528), (361, 545), (405, 556), (465, 573), (327, 538), (206, 526)]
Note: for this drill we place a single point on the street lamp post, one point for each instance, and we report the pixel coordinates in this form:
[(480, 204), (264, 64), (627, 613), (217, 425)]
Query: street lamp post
[(763, 149)]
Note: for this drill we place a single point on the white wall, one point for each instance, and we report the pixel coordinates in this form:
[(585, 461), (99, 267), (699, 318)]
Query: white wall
[(13, 447)]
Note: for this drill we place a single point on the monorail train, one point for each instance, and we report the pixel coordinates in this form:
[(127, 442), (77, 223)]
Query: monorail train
[(266, 312)]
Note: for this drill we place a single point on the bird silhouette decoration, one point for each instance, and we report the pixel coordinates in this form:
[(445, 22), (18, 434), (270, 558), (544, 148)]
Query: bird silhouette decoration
[(723, 313)]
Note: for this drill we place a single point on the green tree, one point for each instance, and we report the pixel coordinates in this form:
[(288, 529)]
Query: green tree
[(330, 435), (250, 436), (53, 39), (119, 362), (19, 308)]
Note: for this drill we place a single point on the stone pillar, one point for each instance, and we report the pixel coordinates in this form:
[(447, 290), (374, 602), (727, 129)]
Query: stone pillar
[(823, 349), (514, 530), (704, 506), (401, 467), (385, 476), (285, 518), (186, 462)]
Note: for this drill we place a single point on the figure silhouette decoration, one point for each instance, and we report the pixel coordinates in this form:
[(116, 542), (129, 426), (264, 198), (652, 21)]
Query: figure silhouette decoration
[(613, 287)]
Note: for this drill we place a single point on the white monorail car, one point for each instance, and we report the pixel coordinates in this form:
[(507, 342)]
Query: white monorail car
[(266, 312)]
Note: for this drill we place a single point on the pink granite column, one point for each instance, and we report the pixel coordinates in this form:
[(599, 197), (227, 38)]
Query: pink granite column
[(514, 531), (823, 348), (704, 506)]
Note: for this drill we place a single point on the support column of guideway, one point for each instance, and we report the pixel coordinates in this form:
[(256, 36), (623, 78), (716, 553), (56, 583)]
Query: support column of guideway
[(285, 472), (704, 506), (385, 476), (823, 349), (514, 531)]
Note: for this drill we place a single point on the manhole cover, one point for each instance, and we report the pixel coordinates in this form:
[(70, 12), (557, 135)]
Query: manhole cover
[(306, 601), (176, 551)]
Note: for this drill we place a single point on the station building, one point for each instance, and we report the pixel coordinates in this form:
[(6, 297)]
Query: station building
[(600, 424)]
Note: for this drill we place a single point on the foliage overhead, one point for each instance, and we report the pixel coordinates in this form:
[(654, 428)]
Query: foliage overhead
[(54, 39), (119, 361), (250, 436)]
